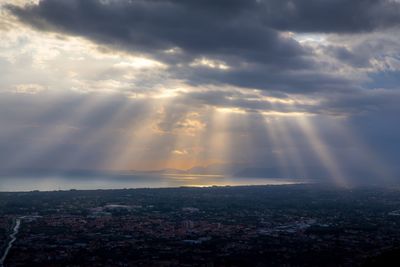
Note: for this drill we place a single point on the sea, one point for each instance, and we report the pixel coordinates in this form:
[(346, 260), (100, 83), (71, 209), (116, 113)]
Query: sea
[(128, 181)]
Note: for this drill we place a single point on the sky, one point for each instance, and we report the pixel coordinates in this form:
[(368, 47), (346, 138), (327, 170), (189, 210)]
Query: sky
[(278, 88)]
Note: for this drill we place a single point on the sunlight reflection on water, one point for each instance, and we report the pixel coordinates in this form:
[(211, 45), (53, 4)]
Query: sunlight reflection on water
[(50, 183)]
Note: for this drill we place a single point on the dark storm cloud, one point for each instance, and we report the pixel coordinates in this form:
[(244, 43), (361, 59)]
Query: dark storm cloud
[(153, 26), (331, 16), (242, 33), (272, 78), (236, 33)]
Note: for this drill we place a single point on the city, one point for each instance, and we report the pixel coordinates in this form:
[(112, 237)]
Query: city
[(290, 225)]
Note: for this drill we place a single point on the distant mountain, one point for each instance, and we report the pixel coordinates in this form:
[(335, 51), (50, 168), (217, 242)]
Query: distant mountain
[(162, 171), (214, 169), (220, 169), (259, 172)]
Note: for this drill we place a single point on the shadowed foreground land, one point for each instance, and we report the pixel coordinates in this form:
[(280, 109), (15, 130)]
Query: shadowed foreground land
[(292, 225)]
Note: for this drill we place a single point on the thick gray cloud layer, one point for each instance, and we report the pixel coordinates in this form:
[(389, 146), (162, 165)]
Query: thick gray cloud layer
[(246, 35)]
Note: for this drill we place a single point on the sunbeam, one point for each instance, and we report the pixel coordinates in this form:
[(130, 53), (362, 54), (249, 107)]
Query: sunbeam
[(130, 151), (278, 147), (291, 151), (46, 138), (219, 142), (323, 152), (359, 154)]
